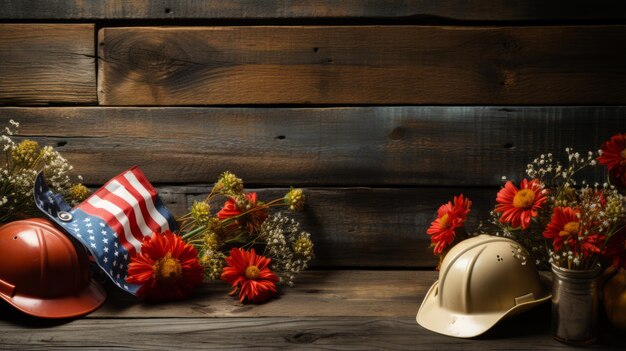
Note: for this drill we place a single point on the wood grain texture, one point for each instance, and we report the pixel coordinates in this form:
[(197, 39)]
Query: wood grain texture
[(362, 65), (357, 146), (529, 331), (47, 63), (480, 10), (328, 293)]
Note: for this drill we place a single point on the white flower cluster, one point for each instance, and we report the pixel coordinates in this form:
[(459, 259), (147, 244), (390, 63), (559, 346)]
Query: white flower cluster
[(549, 171), (290, 249), (57, 169)]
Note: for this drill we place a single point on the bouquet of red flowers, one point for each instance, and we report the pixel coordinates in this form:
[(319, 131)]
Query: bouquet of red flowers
[(555, 214), (243, 243)]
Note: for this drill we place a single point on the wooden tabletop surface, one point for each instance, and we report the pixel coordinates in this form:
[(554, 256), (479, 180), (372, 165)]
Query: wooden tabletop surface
[(327, 309)]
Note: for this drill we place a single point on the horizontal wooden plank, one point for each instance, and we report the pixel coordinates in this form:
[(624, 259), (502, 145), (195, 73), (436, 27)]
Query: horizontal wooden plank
[(328, 293), (47, 63), (362, 65), (406, 146), (364, 227), (481, 10), (529, 331)]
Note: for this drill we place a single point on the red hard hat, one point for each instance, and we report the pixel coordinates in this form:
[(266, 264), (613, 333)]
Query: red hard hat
[(45, 274)]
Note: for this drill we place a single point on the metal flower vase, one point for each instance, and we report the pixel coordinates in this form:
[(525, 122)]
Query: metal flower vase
[(575, 305)]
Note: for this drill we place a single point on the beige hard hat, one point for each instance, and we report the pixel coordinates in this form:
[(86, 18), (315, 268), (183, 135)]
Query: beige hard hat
[(481, 282)]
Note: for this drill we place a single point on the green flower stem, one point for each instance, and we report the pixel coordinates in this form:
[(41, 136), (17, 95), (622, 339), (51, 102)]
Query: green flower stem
[(193, 232)]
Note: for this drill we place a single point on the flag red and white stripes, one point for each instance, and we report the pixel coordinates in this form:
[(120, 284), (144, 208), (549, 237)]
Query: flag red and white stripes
[(127, 204)]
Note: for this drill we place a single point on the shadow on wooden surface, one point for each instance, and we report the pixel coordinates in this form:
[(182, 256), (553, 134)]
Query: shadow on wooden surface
[(10, 315)]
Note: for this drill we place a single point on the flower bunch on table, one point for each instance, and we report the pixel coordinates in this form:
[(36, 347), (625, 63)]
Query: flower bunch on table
[(554, 212), (558, 216), (243, 243), (22, 161)]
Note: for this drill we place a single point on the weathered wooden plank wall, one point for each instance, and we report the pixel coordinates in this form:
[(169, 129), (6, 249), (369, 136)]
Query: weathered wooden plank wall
[(429, 147), (375, 174), (362, 65), (47, 63)]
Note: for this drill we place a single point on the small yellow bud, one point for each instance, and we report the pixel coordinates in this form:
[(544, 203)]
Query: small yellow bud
[(295, 199), (211, 241), (303, 247), (26, 153), (228, 183), (213, 262), (201, 212), (79, 192)]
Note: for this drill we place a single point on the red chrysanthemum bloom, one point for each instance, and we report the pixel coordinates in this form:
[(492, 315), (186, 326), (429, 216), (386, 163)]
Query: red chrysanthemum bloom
[(518, 207), (251, 220), (167, 268), (450, 217), (564, 227), (592, 244), (249, 273), (614, 157)]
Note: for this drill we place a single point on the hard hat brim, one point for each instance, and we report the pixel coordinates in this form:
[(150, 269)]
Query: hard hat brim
[(443, 321), (80, 304)]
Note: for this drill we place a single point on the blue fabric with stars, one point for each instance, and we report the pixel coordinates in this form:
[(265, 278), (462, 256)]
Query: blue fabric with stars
[(91, 231)]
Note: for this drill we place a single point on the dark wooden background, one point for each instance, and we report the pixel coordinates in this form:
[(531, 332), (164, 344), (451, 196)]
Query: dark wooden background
[(382, 110)]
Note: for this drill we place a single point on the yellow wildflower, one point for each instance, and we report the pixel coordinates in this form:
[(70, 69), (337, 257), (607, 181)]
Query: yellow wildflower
[(213, 263), (295, 199), (303, 247), (79, 192), (201, 212), (26, 153), (228, 183), (211, 241)]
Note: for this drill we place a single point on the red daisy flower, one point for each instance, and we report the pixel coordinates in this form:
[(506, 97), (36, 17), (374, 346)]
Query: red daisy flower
[(450, 217), (614, 157), (167, 268), (519, 206), (564, 227), (251, 220), (249, 273)]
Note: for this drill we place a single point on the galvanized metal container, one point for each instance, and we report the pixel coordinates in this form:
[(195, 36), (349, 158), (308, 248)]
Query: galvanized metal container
[(575, 305)]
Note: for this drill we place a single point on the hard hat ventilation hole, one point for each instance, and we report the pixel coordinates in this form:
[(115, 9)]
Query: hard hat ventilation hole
[(500, 258), (15, 237)]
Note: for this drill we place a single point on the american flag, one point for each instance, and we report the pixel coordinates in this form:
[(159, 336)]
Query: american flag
[(112, 222)]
